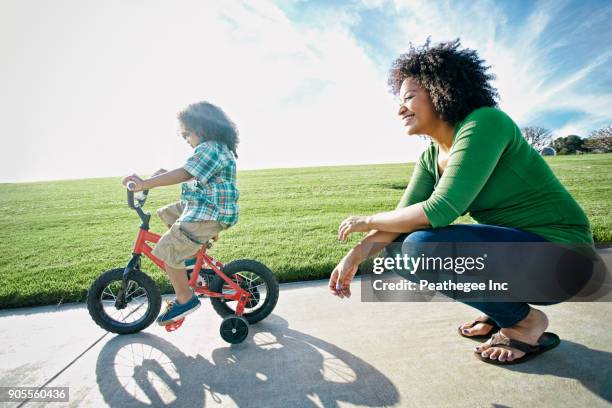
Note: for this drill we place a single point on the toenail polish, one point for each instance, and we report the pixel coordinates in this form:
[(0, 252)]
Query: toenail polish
[(465, 331)]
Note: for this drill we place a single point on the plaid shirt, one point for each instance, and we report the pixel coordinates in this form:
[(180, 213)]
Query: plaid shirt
[(212, 194)]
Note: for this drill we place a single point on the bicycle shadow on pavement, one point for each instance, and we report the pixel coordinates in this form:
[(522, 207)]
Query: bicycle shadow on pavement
[(275, 366), (592, 368)]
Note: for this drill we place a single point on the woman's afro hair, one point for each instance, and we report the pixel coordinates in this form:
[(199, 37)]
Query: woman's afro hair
[(456, 79)]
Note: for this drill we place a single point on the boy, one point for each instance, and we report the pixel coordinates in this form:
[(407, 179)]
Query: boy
[(209, 198)]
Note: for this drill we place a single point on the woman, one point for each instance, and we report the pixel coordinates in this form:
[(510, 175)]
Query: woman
[(478, 162)]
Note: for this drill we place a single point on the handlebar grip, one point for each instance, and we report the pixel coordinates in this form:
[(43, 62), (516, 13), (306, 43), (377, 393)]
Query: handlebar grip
[(130, 196), (131, 186)]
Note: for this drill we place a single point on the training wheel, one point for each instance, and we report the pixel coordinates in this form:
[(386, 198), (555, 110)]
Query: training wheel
[(170, 327), (234, 329)]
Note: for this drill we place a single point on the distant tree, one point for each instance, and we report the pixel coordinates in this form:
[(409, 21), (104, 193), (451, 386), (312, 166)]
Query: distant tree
[(537, 137), (569, 144), (600, 140)]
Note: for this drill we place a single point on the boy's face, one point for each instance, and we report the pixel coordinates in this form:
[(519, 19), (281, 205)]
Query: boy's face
[(190, 137)]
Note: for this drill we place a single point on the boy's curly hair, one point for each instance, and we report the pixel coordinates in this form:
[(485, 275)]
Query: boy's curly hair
[(456, 79), (210, 123)]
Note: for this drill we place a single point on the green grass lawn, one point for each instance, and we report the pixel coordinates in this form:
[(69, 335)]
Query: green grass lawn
[(58, 236)]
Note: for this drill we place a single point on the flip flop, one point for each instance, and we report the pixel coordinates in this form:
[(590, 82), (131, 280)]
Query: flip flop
[(488, 320), (546, 342)]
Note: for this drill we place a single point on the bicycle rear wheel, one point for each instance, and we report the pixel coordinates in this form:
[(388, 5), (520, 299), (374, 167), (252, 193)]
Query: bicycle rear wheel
[(254, 277), (143, 302)]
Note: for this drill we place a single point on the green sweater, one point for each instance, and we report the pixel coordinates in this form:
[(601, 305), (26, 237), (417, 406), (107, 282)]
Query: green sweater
[(496, 176)]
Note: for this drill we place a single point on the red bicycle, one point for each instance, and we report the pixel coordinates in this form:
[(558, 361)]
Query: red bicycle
[(126, 300)]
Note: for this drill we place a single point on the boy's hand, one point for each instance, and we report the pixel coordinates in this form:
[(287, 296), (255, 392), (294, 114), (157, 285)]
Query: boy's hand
[(158, 172), (134, 178)]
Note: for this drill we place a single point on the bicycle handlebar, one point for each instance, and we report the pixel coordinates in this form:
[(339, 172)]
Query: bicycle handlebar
[(130, 196)]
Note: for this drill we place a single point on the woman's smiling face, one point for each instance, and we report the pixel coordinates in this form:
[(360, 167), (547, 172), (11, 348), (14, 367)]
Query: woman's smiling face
[(416, 110)]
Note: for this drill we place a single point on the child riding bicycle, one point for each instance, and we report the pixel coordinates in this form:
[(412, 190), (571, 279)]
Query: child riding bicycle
[(209, 198)]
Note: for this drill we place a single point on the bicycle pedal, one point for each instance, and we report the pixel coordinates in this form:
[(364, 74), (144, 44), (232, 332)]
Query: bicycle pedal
[(170, 327)]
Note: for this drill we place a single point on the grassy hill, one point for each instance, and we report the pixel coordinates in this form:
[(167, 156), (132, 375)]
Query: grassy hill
[(57, 237)]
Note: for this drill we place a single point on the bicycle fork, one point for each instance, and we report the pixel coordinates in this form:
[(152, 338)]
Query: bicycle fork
[(120, 301)]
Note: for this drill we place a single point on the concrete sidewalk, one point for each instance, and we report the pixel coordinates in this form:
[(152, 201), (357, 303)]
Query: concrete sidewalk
[(314, 350)]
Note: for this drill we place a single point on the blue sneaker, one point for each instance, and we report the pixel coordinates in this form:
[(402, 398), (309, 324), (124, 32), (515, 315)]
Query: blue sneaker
[(176, 310)]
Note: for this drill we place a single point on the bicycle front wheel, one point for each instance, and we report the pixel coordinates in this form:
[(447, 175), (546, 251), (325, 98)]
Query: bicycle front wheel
[(143, 302)]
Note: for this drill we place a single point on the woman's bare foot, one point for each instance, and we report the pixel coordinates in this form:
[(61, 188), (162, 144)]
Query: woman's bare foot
[(528, 330), (478, 329)]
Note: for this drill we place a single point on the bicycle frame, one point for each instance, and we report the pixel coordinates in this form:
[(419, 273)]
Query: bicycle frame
[(141, 246)]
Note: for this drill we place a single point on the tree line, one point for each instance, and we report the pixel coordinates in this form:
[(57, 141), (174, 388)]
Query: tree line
[(598, 141)]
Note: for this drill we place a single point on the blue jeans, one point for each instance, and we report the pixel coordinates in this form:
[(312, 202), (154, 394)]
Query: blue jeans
[(505, 314)]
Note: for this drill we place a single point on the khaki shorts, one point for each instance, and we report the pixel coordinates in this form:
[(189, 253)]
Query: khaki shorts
[(183, 239)]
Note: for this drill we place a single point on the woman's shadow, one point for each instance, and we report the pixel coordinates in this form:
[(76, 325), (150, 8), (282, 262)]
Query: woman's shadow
[(592, 368), (275, 366)]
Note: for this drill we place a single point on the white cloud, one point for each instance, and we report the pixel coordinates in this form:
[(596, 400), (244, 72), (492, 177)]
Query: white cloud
[(104, 101)]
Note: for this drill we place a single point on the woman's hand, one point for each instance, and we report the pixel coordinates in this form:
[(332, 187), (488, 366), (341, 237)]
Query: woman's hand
[(352, 224), (158, 172), (136, 180), (342, 275)]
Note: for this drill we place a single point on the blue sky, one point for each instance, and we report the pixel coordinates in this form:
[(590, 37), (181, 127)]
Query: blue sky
[(90, 88), (565, 38)]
